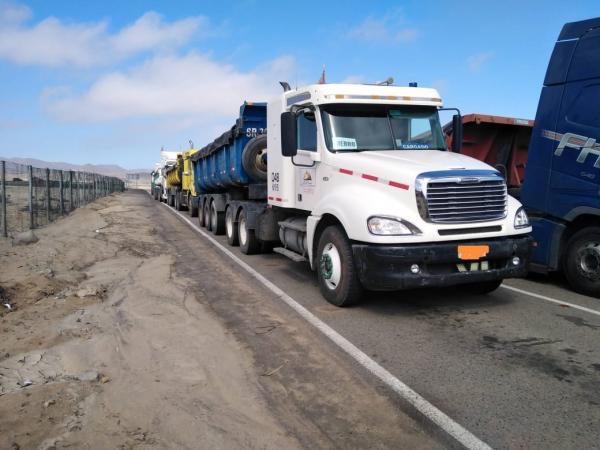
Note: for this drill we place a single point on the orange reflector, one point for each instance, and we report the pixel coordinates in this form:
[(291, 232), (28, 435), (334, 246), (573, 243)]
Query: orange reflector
[(472, 252)]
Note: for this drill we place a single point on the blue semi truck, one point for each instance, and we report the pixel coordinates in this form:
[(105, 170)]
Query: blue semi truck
[(556, 176)]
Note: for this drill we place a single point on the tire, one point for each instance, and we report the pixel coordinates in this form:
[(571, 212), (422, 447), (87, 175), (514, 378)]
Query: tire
[(171, 200), (192, 206), (206, 214), (254, 158), (217, 220), (338, 280), (249, 245), (582, 262), (231, 229), (177, 201), (484, 287), (201, 219)]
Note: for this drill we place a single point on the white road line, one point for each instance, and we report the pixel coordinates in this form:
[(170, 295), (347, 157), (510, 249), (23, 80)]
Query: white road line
[(438, 417), (550, 299)]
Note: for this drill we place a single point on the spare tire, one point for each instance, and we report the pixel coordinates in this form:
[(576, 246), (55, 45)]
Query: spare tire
[(254, 158)]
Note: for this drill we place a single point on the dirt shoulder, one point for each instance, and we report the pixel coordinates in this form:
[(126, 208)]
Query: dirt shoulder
[(127, 330)]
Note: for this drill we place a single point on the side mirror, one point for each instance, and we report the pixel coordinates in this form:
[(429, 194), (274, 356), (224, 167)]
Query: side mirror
[(457, 133), (289, 134)]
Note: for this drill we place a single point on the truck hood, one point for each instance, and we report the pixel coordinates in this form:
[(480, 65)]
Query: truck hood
[(404, 165)]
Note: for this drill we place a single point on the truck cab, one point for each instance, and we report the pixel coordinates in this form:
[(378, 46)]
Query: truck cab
[(372, 200), (562, 177)]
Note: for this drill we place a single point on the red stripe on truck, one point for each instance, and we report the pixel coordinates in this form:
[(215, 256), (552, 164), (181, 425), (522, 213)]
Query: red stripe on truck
[(346, 171), (369, 177), (399, 185)]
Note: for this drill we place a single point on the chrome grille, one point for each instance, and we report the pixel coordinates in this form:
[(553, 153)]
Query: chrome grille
[(465, 199)]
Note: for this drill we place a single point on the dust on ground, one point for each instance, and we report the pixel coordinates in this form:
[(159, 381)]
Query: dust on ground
[(106, 344)]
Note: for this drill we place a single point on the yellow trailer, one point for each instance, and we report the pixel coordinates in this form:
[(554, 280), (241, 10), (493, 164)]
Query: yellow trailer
[(180, 183)]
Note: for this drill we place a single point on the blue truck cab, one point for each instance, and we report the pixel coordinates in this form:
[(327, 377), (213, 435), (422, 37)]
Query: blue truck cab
[(562, 179)]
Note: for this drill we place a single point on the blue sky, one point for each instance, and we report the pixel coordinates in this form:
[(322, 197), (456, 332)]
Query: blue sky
[(113, 81)]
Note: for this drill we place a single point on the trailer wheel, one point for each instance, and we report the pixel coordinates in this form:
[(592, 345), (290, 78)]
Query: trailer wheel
[(337, 275), (230, 228), (254, 158), (582, 263), (249, 245), (206, 215), (484, 287), (192, 206), (217, 220)]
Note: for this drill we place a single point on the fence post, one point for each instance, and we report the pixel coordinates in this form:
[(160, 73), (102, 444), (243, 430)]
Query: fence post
[(62, 197), (3, 198), (70, 190), (48, 194), (30, 173)]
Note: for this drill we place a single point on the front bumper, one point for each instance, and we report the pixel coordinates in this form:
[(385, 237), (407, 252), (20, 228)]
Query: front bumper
[(387, 267)]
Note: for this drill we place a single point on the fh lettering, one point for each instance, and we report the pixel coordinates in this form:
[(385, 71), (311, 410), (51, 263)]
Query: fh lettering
[(582, 143)]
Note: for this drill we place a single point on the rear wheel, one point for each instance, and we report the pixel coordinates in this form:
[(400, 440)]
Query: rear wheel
[(206, 214), (582, 263), (337, 275), (484, 287), (231, 229), (217, 220), (171, 201), (248, 242), (192, 206), (178, 205)]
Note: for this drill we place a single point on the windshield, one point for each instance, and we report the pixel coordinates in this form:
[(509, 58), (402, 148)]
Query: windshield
[(381, 127)]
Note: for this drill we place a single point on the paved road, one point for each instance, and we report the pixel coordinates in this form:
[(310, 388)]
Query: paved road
[(515, 370)]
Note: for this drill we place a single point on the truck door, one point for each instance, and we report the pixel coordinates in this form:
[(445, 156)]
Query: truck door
[(576, 162), (306, 162)]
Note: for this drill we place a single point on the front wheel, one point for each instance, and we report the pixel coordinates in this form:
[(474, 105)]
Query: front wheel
[(338, 280), (582, 263)]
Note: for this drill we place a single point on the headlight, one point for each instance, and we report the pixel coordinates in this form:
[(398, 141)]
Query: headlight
[(521, 219), (390, 226)]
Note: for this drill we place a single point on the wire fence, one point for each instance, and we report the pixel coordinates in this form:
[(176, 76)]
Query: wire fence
[(31, 197)]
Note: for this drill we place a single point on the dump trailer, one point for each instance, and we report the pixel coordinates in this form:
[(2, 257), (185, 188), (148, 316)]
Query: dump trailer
[(356, 180), (553, 164), (180, 181)]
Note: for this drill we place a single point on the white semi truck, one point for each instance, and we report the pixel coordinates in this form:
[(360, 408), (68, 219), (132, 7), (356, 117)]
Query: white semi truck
[(358, 182)]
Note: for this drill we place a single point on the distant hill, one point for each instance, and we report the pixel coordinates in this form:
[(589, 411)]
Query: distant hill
[(111, 170)]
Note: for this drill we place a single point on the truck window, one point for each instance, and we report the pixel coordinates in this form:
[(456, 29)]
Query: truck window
[(381, 127), (307, 131)]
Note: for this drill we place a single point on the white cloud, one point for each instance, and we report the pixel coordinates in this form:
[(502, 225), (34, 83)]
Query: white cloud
[(51, 42), (171, 87), (389, 28), (475, 62)]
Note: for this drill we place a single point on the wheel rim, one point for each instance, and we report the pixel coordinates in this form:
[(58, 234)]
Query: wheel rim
[(330, 265), (589, 260), (243, 233), (260, 161), (229, 223), (213, 216)]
